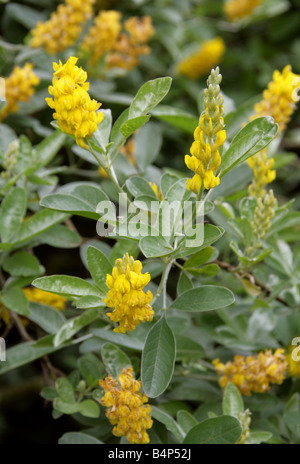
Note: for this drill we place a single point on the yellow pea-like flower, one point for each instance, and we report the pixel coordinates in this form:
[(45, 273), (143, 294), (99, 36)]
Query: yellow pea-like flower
[(253, 374), (127, 410), (236, 10), (19, 87), (75, 112), (126, 295), (64, 26)]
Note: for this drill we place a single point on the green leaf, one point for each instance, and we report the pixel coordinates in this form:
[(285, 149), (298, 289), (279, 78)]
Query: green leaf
[(60, 236), (12, 211), (7, 135), (155, 247), (254, 137), (129, 341), (114, 359), (99, 265), (133, 124), (101, 135), (65, 390), (138, 186), (205, 298), (66, 286), (186, 421), (74, 325), (65, 407), (90, 368), (176, 117), (257, 437), (79, 198), (48, 148), (25, 15), (199, 258), (22, 263), (14, 299), (78, 438), (149, 96), (169, 422), (48, 318), (184, 283), (89, 408), (158, 359), (38, 223), (147, 142), (224, 430), (233, 404), (188, 348)]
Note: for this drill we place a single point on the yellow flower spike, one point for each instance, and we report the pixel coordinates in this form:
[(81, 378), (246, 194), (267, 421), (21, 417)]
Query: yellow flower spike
[(19, 87), (209, 137), (75, 112), (126, 407), (203, 60), (236, 10), (64, 26), (253, 374), (102, 36), (40, 296), (279, 103), (126, 295)]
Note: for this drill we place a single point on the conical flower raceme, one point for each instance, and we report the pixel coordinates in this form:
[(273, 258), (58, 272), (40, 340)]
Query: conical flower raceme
[(75, 112), (41, 296), (102, 36), (64, 26), (209, 136), (129, 47), (126, 407), (236, 10), (253, 374), (19, 87), (208, 55), (126, 295), (279, 103)]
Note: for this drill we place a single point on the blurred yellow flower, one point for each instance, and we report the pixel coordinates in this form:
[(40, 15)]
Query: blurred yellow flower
[(41, 296), (75, 112), (208, 55), (279, 103), (253, 374), (102, 36), (19, 87), (64, 26), (236, 10), (157, 191), (126, 295), (129, 47), (126, 407)]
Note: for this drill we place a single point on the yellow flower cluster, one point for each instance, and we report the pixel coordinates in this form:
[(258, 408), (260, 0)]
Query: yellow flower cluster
[(279, 98), (40, 296), (102, 36), (209, 136), (126, 407), (253, 374), (203, 60), (126, 295), (75, 112), (129, 47), (157, 191), (279, 103), (236, 10), (64, 26), (19, 87)]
